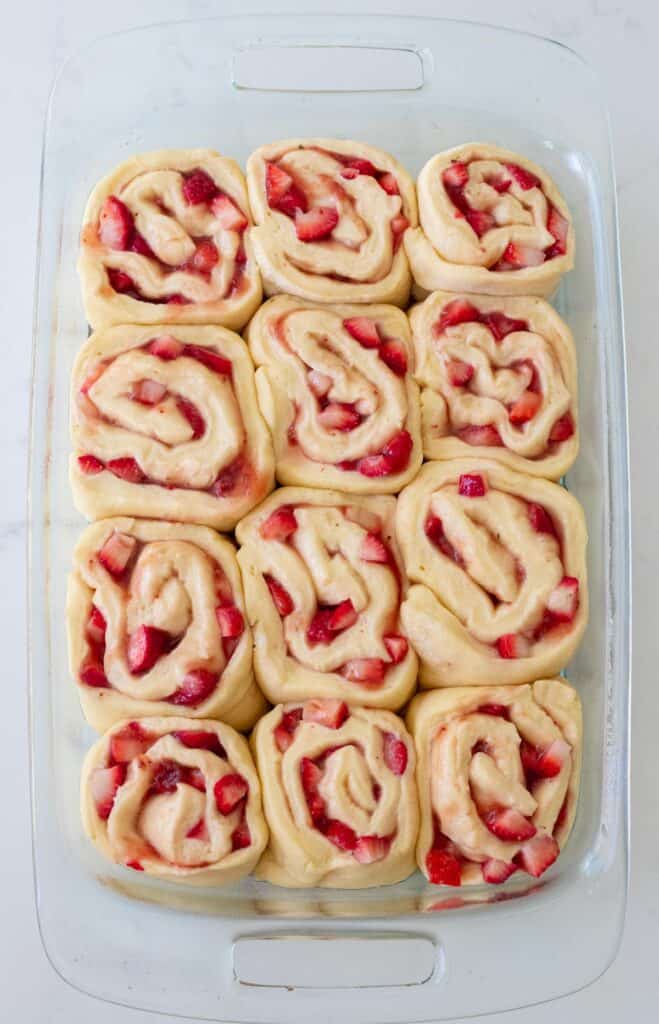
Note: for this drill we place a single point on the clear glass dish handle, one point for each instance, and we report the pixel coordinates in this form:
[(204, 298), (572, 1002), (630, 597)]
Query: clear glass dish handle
[(309, 67)]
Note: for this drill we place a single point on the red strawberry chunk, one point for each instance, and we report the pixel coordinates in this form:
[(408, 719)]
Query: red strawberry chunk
[(459, 373), (294, 201), (140, 245), (525, 408), (145, 646), (178, 300), (557, 225), (319, 630), (194, 777), (130, 742), (373, 549), (229, 791), (198, 831), (280, 524), (320, 383), (213, 360), (395, 753), (456, 175), (388, 182), (458, 311), (166, 777), (367, 671), (285, 732), (399, 225), (362, 166), (199, 187), (538, 854), (92, 673), (339, 416), (564, 599), (228, 214), (471, 485), (341, 835), (235, 479), (513, 645), (364, 330), (200, 739), (480, 221), (369, 849), (525, 179), (501, 325), (120, 281), (316, 224), (282, 599), (126, 469), (96, 626), (540, 519), (205, 257), (517, 256), (497, 871), (496, 710), (241, 837), (397, 646), (443, 868), (115, 225), (277, 184), (310, 776), (562, 429), (104, 785), (543, 764), (434, 531), (343, 616), (90, 465), (117, 552), (350, 173), (510, 825), (148, 392), (481, 436), (398, 450), (193, 416), (327, 711), (166, 346), (230, 620), (394, 354), (197, 686)]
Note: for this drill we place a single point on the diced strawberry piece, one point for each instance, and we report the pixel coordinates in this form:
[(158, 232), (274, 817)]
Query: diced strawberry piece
[(120, 281), (327, 711), (471, 485), (235, 479), (458, 311), (166, 777), (341, 835), (197, 686), (134, 865), (115, 225), (319, 630), (369, 849), (126, 469), (339, 416), (343, 616), (294, 201), (497, 871), (564, 599), (557, 225), (510, 825), (280, 524), (96, 626), (193, 416), (525, 408), (195, 778), (145, 646), (205, 257), (501, 325), (456, 175), (228, 214), (92, 673), (230, 620), (316, 224), (320, 383), (398, 450), (538, 854), (104, 785), (362, 166), (371, 466), (90, 465), (499, 183), (148, 392), (241, 837), (540, 519), (198, 831), (562, 429), (166, 346), (117, 552), (277, 184), (349, 173), (140, 245), (399, 226), (459, 373), (525, 179), (199, 187), (373, 549), (367, 671), (397, 646), (200, 739), (285, 731), (480, 221), (229, 791), (178, 300), (443, 868), (496, 710), (434, 529), (129, 743), (394, 354), (282, 599), (544, 764), (388, 182), (395, 753), (482, 436), (364, 330), (213, 360), (518, 256), (310, 776), (513, 645)]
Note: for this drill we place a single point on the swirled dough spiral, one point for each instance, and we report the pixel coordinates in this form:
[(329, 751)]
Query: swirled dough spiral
[(495, 763), (323, 583), (342, 412), (167, 237), (178, 798), (339, 795), (498, 379), (498, 564), (331, 215), (492, 222), (165, 423), (157, 623)]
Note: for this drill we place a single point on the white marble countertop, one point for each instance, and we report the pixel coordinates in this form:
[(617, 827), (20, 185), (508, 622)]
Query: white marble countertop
[(620, 40)]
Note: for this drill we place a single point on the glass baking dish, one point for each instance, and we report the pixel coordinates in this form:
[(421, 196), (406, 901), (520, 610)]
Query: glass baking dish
[(408, 952)]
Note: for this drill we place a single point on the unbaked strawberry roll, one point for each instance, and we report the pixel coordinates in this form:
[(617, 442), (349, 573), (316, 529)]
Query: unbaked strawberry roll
[(177, 798), (166, 237), (498, 563), (157, 624), (324, 584), (339, 795), (498, 378), (331, 215), (165, 424), (492, 222), (498, 775), (336, 389)]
